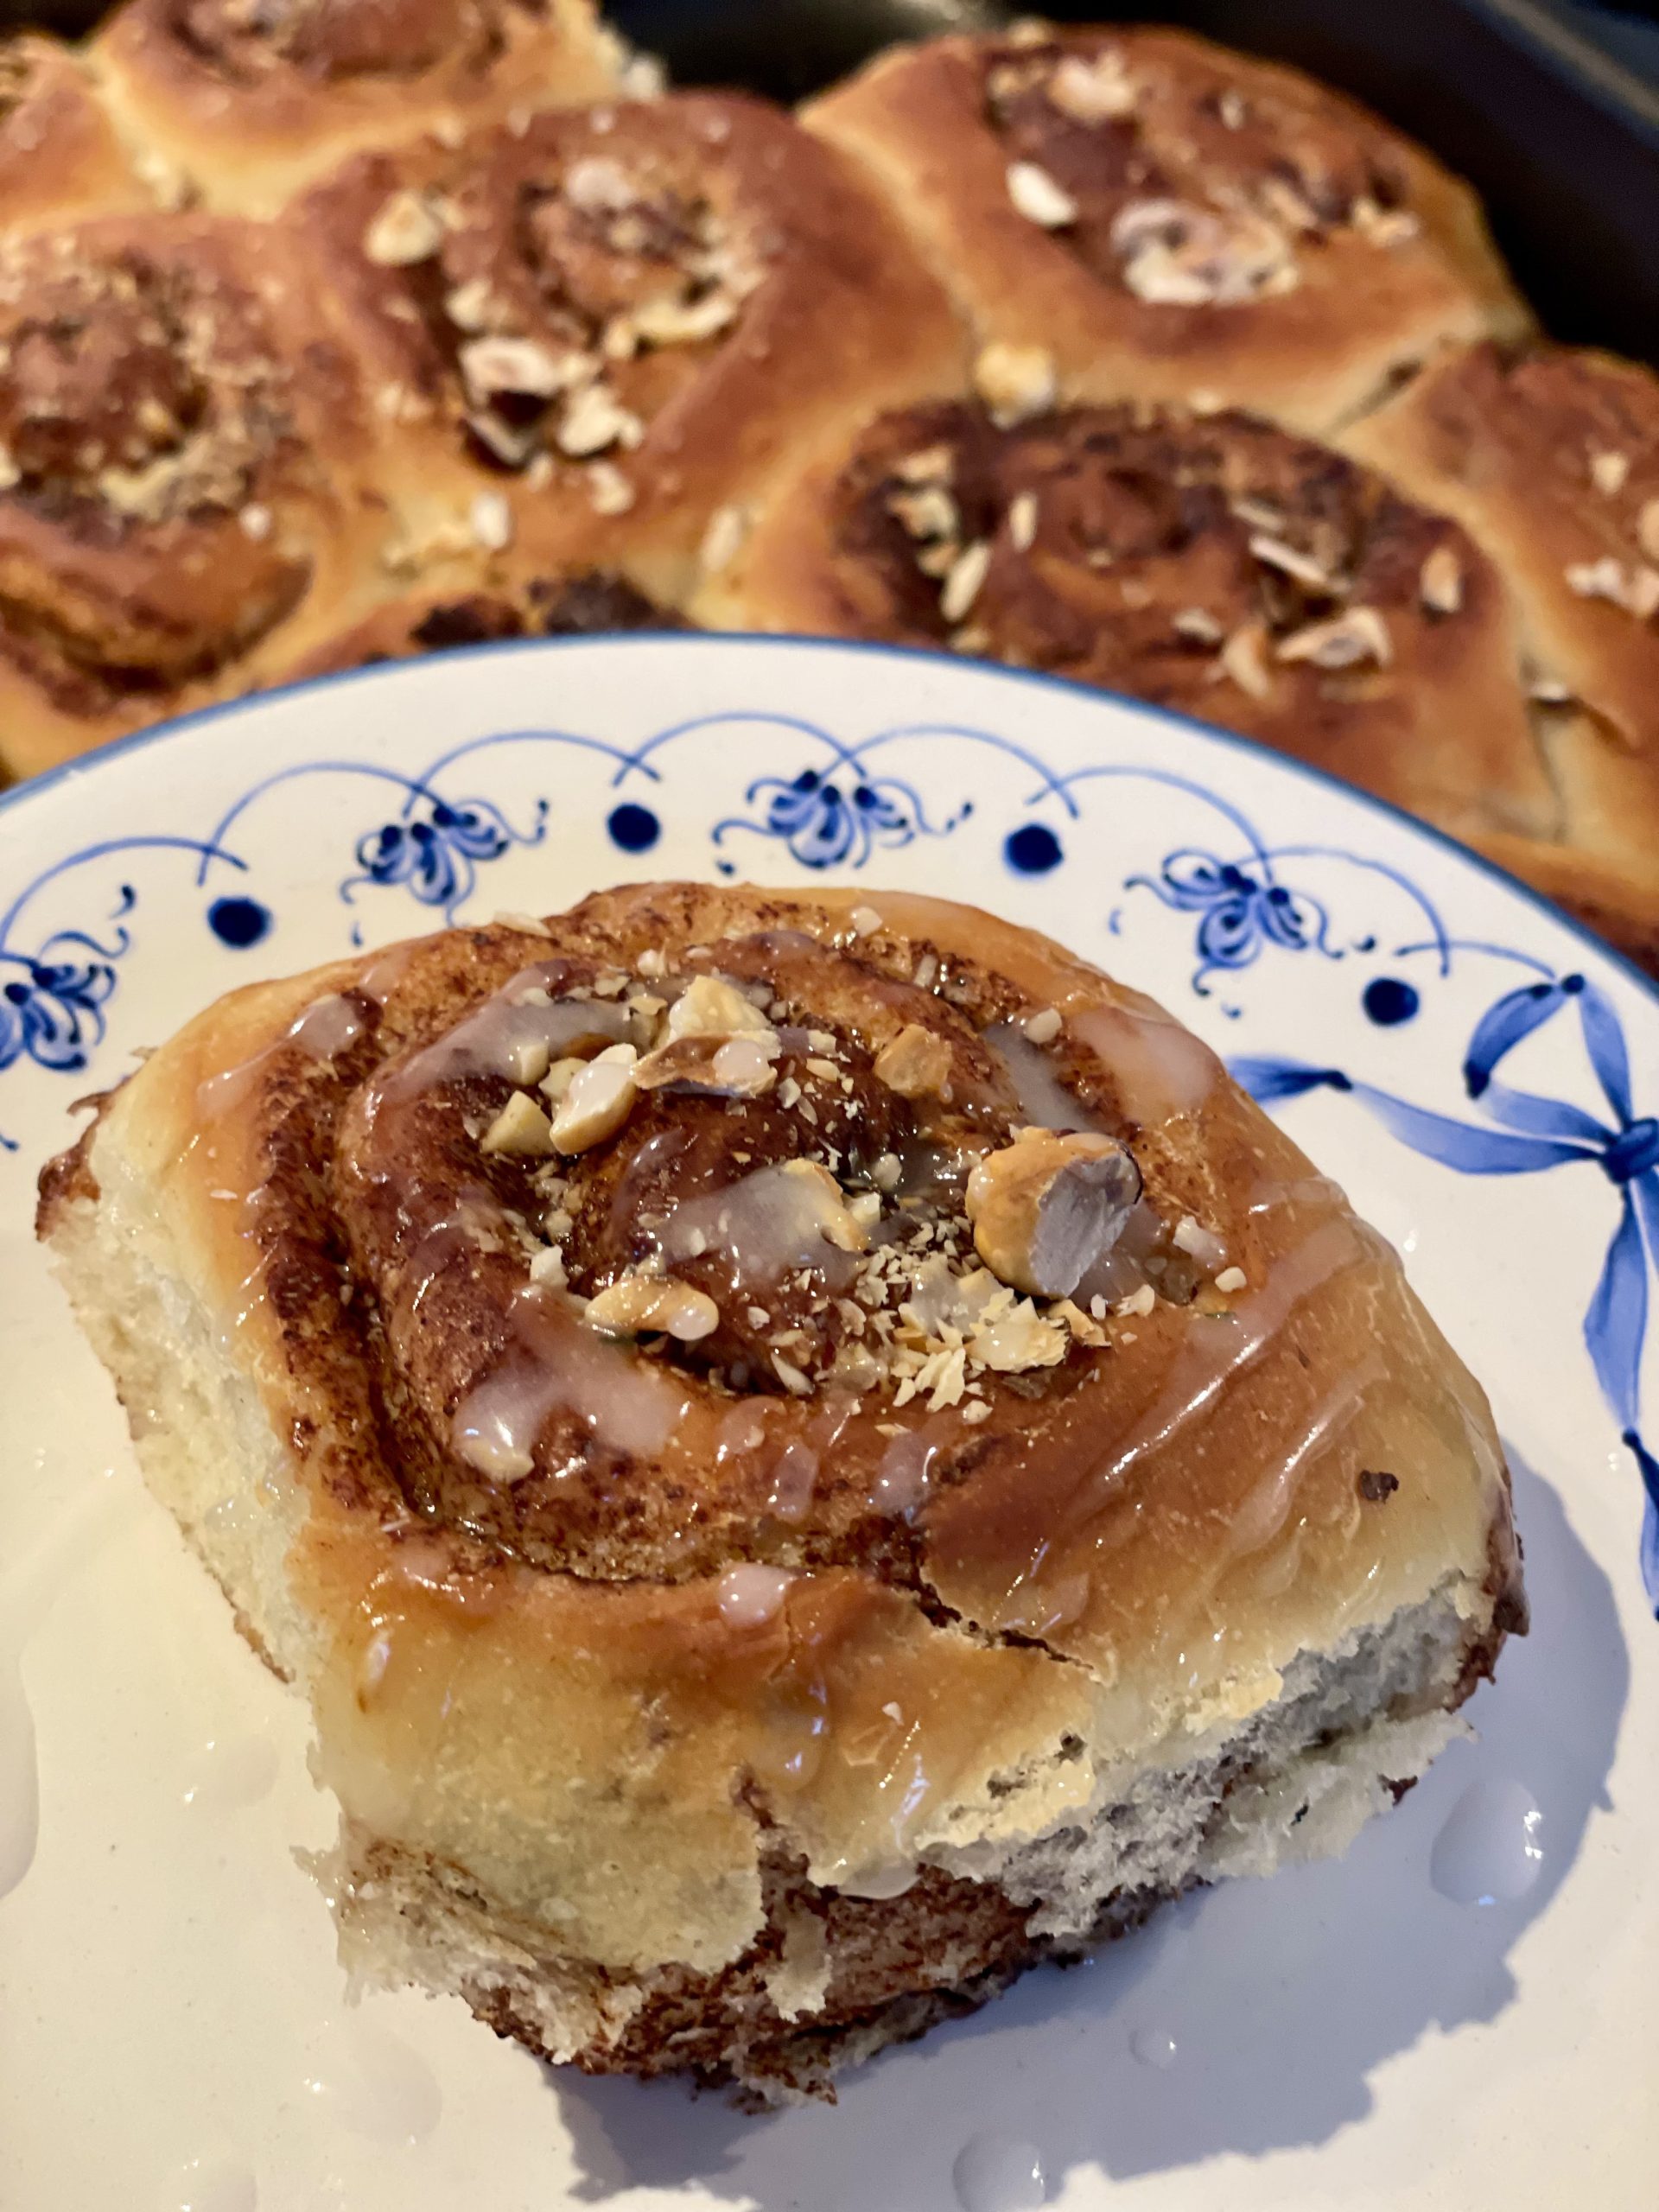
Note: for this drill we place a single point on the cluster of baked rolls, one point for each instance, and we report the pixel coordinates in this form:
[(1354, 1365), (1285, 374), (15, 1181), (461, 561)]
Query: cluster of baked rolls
[(330, 332)]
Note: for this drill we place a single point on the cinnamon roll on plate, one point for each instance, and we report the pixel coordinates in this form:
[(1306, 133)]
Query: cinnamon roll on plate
[(250, 103), (1209, 563), (593, 338), (808, 1454), (1172, 219), (180, 513)]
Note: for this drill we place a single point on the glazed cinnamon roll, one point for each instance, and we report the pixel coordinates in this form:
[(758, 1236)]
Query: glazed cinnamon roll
[(1211, 563), (1170, 219), (177, 438), (249, 102), (807, 1453), (60, 156), (1551, 461), (595, 336)]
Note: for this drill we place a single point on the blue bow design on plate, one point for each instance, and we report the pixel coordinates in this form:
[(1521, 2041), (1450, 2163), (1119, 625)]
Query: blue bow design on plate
[(436, 853), (1536, 1133), (1244, 909), (824, 825)]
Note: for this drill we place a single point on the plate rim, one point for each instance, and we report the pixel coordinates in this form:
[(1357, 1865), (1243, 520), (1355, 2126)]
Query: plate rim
[(84, 767)]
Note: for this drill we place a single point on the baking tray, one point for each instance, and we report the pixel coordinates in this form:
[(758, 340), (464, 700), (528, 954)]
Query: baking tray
[(1560, 138)]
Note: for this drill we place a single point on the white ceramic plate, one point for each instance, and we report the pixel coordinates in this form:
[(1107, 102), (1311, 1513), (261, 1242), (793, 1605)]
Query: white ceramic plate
[(174, 2031)]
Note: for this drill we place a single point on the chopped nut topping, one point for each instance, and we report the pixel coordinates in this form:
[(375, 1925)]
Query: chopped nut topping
[(518, 365), (636, 1304), (1175, 255), (608, 489), (928, 465), (597, 1101), (1015, 382), (1202, 628), (520, 1130), (1274, 553), (887, 1172), (1043, 1026), (816, 1190), (737, 1067), (672, 321), (1608, 471), (916, 1063), (1244, 658), (1047, 1207), (1358, 634), (1647, 529), (592, 419), (1635, 589), (407, 229), (1231, 1278), (1439, 582), (723, 539), (1039, 198), (864, 921), (711, 1007), (491, 520), (1094, 91), (559, 1077), (962, 582), (1022, 521), (1138, 1302)]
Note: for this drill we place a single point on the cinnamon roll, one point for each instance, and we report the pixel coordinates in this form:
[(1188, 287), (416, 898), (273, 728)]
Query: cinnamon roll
[(807, 1454), (1170, 219), (1551, 461), (601, 333), (60, 156), (1212, 564), (249, 102), (177, 509)]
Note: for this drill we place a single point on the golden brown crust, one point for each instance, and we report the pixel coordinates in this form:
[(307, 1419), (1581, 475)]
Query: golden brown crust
[(614, 322), (1551, 461), (250, 104), (60, 160), (1195, 221), (1210, 563), (178, 438)]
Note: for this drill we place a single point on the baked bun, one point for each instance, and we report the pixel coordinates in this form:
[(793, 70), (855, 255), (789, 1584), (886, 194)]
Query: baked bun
[(583, 603), (177, 439), (612, 323), (251, 102), (771, 1550), (1551, 463), (1172, 219), (60, 156), (1212, 564)]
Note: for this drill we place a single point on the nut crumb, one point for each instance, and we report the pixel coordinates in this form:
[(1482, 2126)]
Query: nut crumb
[(1039, 198), (1439, 581)]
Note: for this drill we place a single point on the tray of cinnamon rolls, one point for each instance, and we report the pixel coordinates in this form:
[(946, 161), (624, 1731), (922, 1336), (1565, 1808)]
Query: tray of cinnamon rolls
[(331, 333)]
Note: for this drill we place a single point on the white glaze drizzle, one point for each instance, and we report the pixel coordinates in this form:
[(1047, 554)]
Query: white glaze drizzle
[(555, 1364), (1045, 1101)]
